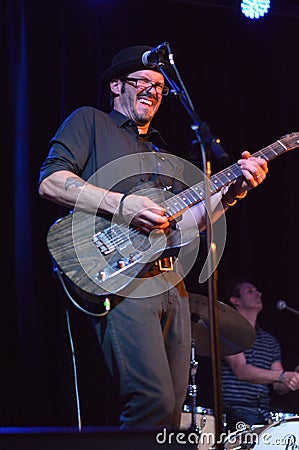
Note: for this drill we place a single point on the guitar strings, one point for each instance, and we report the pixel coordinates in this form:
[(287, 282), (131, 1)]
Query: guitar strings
[(120, 237)]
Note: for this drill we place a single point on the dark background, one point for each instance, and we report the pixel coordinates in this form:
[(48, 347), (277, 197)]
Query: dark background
[(242, 77)]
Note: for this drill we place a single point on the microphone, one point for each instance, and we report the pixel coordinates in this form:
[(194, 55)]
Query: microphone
[(151, 57), (281, 304)]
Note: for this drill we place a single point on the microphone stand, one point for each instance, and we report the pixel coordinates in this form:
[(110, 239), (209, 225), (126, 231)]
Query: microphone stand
[(207, 142)]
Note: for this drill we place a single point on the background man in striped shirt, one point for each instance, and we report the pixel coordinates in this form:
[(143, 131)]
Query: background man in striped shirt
[(247, 376)]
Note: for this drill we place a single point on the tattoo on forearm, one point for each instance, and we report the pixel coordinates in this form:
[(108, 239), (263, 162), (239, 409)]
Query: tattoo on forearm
[(73, 181)]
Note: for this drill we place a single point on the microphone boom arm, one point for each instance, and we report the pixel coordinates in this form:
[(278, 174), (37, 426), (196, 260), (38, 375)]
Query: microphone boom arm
[(281, 304)]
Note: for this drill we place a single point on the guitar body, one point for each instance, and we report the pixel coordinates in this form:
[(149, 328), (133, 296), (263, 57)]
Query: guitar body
[(101, 257)]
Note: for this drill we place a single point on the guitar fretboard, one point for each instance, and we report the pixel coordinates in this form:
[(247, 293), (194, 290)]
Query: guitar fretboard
[(176, 205)]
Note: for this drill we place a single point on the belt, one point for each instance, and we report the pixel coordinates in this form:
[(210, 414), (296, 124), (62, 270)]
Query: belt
[(165, 264)]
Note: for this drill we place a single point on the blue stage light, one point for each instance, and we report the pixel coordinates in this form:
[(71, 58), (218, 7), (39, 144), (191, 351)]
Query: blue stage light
[(254, 9)]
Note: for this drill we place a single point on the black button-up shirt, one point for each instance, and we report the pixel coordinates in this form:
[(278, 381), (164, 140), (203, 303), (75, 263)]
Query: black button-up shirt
[(98, 146)]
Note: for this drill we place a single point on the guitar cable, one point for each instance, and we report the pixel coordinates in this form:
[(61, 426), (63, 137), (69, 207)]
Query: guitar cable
[(69, 329), (59, 274), (74, 370)]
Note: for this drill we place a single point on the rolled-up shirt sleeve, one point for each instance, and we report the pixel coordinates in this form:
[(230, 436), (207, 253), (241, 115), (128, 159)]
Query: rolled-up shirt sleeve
[(70, 148)]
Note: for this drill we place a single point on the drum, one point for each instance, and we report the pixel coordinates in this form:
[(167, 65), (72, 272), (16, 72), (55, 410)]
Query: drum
[(283, 435), (205, 421)]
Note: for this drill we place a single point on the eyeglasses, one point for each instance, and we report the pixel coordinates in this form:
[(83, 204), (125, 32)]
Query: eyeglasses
[(143, 83)]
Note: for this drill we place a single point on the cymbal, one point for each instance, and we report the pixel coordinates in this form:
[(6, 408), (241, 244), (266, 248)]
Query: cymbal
[(236, 334)]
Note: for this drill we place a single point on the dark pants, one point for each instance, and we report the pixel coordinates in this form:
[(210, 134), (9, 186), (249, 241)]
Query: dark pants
[(146, 344), (237, 415)]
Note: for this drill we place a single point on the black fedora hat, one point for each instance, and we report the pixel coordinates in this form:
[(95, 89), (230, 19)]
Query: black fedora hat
[(129, 60)]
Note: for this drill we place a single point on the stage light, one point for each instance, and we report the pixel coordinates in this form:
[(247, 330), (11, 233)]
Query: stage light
[(254, 9)]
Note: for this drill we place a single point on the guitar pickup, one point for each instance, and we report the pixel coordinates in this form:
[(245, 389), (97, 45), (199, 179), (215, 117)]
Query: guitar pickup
[(111, 239), (103, 243)]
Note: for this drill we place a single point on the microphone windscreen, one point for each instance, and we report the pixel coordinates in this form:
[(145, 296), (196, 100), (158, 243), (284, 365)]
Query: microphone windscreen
[(281, 304)]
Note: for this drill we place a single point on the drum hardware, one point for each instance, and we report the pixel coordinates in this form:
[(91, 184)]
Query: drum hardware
[(192, 389), (280, 416), (197, 419), (205, 423)]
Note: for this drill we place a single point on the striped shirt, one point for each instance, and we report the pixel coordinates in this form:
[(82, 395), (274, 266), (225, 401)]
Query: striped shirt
[(264, 352)]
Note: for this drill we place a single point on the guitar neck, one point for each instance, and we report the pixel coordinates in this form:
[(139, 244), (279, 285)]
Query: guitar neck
[(176, 205)]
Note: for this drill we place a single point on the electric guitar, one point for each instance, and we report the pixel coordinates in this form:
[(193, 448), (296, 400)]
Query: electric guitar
[(99, 256)]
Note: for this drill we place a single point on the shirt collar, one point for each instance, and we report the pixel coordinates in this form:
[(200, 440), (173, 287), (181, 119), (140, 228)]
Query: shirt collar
[(122, 121)]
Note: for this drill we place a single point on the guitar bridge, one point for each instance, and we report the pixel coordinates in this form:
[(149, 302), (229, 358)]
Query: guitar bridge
[(103, 242), (110, 239)]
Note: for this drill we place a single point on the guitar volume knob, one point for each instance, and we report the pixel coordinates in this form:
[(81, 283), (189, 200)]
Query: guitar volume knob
[(101, 275), (120, 263)]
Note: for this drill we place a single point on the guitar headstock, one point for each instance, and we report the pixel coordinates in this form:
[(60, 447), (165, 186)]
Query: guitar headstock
[(290, 141)]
